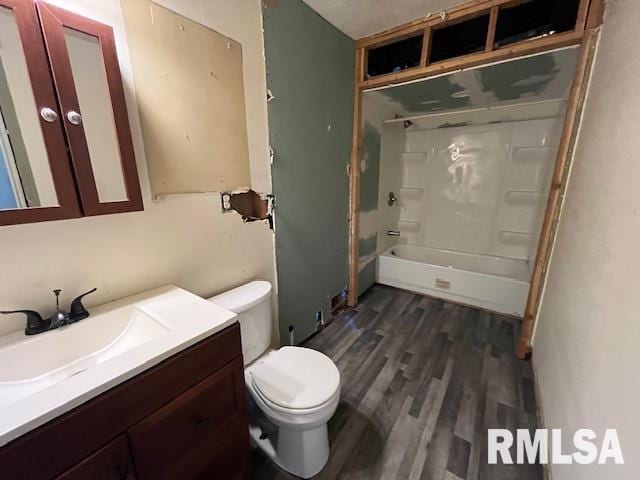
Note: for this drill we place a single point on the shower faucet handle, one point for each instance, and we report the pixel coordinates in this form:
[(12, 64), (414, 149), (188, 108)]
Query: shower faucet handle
[(393, 233), (392, 199)]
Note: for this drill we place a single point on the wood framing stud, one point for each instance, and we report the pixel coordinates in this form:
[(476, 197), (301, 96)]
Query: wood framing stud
[(596, 13), (583, 11), (552, 212), (526, 47), (491, 34), (489, 54), (426, 47), (452, 15), (354, 186), (363, 61)]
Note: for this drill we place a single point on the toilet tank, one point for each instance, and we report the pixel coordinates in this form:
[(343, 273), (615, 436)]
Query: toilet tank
[(252, 303)]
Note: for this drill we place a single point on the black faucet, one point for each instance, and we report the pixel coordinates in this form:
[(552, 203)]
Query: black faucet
[(36, 324)]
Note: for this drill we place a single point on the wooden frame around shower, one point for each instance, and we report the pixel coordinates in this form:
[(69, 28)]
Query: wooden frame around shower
[(589, 19)]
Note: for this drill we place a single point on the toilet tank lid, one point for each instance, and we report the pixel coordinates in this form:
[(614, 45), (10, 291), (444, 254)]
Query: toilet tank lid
[(243, 297)]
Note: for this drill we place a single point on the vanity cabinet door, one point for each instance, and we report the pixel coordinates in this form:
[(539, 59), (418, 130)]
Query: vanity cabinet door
[(201, 433), (36, 181), (84, 62), (112, 462)]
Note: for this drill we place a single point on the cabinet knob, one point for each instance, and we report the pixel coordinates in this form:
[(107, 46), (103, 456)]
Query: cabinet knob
[(74, 117), (48, 114)]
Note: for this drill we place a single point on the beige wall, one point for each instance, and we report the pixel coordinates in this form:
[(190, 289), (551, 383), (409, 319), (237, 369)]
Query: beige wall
[(586, 343), (181, 240)]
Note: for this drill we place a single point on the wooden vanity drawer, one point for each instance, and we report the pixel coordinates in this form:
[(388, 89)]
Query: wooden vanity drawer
[(183, 438), (112, 462)]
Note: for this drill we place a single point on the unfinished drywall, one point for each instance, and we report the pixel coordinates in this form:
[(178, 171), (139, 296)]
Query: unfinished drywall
[(196, 138), (186, 241), (537, 78), (585, 348), (310, 72), (369, 176), (374, 138)]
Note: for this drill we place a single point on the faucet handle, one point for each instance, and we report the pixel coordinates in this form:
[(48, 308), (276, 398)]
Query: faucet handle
[(35, 322), (77, 311)]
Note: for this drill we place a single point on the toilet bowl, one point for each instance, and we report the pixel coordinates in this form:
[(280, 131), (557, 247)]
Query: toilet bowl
[(296, 389)]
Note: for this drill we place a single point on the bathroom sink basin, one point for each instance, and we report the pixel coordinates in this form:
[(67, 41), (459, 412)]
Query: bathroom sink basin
[(45, 375), (39, 361)]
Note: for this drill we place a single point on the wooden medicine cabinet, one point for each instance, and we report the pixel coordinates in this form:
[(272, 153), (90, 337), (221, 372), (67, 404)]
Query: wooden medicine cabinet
[(65, 142)]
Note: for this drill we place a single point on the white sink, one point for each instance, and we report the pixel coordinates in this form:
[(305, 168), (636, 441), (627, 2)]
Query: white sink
[(45, 375), (36, 362)]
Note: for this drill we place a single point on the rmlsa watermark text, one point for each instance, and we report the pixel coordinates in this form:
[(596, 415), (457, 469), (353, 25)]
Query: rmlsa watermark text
[(545, 446)]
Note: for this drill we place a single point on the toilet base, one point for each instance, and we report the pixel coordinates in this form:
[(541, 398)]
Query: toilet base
[(300, 452)]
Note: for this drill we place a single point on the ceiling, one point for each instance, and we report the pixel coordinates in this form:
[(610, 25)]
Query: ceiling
[(537, 78), (361, 18)]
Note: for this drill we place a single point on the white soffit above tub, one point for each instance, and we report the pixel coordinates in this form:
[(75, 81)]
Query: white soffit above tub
[(361, 18)]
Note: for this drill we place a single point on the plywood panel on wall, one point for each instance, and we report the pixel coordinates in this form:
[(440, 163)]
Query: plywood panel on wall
[(190, 92)]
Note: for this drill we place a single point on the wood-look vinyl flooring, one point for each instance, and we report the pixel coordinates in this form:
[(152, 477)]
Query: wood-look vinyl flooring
[(422, 381)]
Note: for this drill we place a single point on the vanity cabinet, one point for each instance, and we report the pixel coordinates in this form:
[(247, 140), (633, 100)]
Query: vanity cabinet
[(185, 418), (112, 462), (65, 143), (177, 440)]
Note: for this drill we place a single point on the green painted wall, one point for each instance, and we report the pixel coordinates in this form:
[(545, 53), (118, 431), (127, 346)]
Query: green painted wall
[(310, 70)]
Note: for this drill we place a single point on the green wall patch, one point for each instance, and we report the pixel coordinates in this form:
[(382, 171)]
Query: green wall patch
[(367, 276), (370, 173), (310, 72), (367, 246)]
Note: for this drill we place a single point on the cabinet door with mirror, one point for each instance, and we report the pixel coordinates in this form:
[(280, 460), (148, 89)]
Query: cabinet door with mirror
[(65, 142)]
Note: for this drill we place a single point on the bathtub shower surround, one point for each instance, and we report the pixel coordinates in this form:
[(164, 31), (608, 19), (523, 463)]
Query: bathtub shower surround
[(478, 189), (468, 160), (493, 283), (471, 204)]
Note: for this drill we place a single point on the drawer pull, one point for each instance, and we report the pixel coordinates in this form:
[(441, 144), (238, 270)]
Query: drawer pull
[(202, 423)]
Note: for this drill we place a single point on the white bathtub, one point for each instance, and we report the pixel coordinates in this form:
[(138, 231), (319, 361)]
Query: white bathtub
[(493, 283)]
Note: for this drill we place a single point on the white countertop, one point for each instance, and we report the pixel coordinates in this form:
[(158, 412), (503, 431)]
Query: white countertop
[(185, 317)]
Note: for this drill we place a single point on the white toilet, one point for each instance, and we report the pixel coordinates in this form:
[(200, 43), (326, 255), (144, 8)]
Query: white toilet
[(297, 389)]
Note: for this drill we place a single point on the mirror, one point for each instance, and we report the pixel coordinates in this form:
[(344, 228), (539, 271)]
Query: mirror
[(25, 173), (65, 144), (90, 82)]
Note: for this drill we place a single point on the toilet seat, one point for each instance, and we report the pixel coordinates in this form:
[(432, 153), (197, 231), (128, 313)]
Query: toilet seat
[(296, 379)]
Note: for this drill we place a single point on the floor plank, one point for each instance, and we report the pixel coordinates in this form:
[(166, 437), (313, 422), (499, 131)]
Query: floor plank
[(422, 381)]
